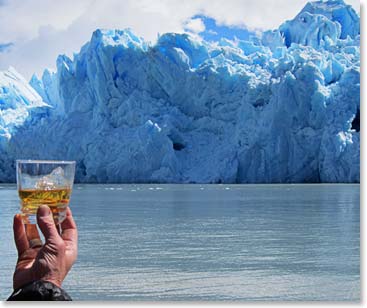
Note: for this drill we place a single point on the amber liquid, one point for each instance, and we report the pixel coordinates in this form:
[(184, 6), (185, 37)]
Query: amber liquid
[(56, 199)]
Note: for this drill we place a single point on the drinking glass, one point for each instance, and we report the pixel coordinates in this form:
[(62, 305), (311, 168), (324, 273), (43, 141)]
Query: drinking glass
[(46, 182)]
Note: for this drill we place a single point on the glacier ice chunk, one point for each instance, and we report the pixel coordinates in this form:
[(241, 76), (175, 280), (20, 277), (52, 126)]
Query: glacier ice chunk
[(280, 107)]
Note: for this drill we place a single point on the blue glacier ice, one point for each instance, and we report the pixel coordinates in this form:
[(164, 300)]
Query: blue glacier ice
[(20, 105), (280, 107)]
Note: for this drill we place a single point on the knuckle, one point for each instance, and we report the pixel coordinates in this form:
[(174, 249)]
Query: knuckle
[(57, 246)]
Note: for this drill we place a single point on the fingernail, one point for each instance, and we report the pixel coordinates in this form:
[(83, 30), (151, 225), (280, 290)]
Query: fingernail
[(44, 210)]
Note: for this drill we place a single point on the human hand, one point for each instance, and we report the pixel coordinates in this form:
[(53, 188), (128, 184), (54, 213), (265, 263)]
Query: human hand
[(51, 261)]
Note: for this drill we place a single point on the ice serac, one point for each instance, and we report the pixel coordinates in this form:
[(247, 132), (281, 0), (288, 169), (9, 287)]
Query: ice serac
[(280, 107), (47, 88), (20, 106), (321, 23), (338, 12)]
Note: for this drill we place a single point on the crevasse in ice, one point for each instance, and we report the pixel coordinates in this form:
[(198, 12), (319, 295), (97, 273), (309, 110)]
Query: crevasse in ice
[(281, 107)]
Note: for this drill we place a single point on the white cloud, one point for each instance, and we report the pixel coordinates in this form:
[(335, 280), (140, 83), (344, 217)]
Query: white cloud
[(21, 19), (41, 30), (195, 25)]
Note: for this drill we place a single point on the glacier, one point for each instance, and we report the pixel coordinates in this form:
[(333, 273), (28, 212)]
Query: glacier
[(281, 107)]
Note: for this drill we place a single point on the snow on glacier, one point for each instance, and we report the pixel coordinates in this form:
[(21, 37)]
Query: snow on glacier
[(280, 107), (18, 101)]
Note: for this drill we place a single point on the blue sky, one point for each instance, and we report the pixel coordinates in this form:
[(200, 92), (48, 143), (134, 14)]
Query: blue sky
[(5, 46), (40, 30), (212, 31)]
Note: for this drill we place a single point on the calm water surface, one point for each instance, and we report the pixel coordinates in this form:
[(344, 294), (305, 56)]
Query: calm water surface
[(207, 242)]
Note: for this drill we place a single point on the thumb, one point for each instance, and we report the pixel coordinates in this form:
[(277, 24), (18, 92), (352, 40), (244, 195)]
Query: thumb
[(46, 223)]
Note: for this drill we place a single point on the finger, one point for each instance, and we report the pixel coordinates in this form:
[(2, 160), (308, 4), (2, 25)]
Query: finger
[(68, 226), (31, 231), (20, 237), (33, 236), (46, 223)]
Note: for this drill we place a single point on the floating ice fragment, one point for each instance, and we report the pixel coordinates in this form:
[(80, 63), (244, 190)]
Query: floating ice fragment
[(51, 181), (57, 176), (45, 183)]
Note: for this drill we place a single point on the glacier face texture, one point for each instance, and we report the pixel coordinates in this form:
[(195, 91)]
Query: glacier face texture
[(281, 107)]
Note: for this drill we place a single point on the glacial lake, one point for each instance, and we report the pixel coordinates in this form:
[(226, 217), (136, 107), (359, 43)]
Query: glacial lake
[(207, 242)]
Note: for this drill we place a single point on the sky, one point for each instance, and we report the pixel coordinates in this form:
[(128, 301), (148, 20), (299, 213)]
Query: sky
[(34, 32)]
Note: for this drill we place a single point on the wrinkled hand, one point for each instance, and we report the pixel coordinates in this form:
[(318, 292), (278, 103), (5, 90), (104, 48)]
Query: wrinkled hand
[(51, 261)]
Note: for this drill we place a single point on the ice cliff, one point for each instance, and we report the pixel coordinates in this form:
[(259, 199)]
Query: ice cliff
[(280, 107), (20, 105)]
